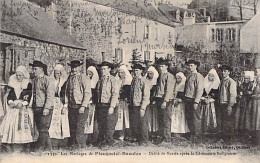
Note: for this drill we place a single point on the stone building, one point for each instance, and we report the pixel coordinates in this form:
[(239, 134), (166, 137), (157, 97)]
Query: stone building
[(119, 31), (27, 33)]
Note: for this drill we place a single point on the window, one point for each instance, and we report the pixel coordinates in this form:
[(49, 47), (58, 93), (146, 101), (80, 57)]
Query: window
[(219, 35), (146, 31), (103, 28), (170, 38), (134, 29), (173, 13), (103, 56), (118, 55), (231, 34), (118, 28), (96, 29), (212, 34), (109, 30), (147, 56), (202, 11)]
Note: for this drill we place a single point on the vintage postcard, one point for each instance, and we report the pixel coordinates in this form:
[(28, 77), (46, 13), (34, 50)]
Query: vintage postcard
[(129, 81)]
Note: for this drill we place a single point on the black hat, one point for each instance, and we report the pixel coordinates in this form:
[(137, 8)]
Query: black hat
[(75, 63), (226, 67), (193, 62), (162, 61), (37, 64), (105, 63), (137, 66)]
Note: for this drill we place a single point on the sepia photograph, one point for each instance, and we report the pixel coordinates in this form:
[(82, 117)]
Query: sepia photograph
[(126, 81)]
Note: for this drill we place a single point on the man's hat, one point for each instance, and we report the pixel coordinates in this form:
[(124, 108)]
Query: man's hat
[(193, 62), (226, 67), (37, 64), (137, 66), (105, 63), (162, 61), (75, 63)]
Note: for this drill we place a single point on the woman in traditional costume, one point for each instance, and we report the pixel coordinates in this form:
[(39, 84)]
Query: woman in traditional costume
[(179, 123), (209, 109), (91, 128), (244, 110), (122, 127), (59, 129), (256, 110), (152, 76), (18, 128)]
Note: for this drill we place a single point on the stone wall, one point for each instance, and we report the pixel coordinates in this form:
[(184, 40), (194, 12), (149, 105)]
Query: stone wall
[(104, 30), (48, 53)]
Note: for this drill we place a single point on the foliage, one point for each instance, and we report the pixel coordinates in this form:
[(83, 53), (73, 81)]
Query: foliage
[(229, 56), (42, 3)]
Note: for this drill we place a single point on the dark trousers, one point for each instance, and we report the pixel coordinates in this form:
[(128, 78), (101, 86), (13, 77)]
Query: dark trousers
[(8, 148), (227, 122), (139, 125), (106, 123), (164, 119), (43, 124), (77, 123), (193, 117)]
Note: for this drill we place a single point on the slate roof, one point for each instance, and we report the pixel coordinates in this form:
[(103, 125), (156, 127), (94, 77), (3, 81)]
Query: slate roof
[(137, 8), (30, 21)]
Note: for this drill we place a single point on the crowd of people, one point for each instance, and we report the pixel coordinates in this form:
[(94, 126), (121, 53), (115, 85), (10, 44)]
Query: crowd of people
[(140, 105)]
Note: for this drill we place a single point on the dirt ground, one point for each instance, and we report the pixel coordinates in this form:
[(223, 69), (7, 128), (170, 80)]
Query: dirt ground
[(206, 149)]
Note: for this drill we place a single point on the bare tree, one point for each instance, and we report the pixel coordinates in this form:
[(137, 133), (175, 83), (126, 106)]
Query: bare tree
[(255, 6), (241, 3)]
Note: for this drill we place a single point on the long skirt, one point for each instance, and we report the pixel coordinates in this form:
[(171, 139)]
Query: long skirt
[(208, 118), (256, 114), (152, 118), (123, 116), (18, 126), (179, 121), (89, 125), (59, 128), (243, 114)]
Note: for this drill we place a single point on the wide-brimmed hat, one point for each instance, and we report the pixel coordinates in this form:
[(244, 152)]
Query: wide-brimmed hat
[(105, 63), (37, 64), (226, 67), (75, 63), (137, 66), (162, 61), (191, 61)]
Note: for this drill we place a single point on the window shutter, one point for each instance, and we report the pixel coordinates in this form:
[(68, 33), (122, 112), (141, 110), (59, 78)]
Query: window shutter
[(228, 34), (212, 34), (146, 31), (234, 34)]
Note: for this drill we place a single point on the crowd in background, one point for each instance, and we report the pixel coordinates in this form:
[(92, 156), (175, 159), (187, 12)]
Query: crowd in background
[(143, 105)]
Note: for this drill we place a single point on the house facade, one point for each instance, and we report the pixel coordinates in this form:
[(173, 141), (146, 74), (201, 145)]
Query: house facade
[(211, 36), (118, 33)]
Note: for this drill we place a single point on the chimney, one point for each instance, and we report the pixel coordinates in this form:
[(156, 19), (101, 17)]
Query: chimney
[(189, 20), (178, 15), (208, 19)]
